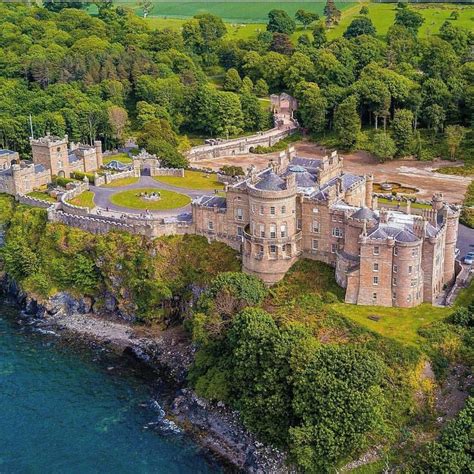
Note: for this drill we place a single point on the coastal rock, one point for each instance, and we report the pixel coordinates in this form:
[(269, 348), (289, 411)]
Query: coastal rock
[(62, 301)]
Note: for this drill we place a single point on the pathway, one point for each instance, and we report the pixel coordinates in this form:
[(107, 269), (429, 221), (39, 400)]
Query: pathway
[(103, 194)]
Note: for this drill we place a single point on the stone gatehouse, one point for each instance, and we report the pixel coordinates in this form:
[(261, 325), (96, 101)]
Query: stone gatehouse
[(310, 208)]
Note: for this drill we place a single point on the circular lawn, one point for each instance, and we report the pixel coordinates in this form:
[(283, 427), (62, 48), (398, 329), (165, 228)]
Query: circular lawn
[(136, 199)]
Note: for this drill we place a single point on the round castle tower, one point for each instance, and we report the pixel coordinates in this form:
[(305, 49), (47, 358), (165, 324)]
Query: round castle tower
[(271, 240)]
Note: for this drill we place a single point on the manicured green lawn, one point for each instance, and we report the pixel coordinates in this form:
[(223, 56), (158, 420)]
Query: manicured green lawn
[(414, 205), (85, 199), (400, 324), (132, 199), (192, 180), (121, 182), (122, 157), (41, 195)]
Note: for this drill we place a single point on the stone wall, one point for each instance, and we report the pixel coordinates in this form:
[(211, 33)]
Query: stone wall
[(31, 201), (71, 194), (111, 177), (239, 146), (178, 172)]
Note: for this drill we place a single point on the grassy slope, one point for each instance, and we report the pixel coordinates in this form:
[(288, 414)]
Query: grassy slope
[(122, 157), (381, 14), (85, 199), (41, 195), (192, 180)]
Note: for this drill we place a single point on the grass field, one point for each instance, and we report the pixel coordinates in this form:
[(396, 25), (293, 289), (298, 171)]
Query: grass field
[(192, 180), (121, 182), (414, 205), (236, 12), (122, 157), (41, 195), (131, 199), (400, 324), (382, 15), (85, 199)]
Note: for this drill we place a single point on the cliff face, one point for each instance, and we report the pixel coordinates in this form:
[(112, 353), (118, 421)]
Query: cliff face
[(168, 352)]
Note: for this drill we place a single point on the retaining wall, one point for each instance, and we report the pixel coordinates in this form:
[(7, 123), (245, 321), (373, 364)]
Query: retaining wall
[(71, 194), (178, 172), (31, 201)]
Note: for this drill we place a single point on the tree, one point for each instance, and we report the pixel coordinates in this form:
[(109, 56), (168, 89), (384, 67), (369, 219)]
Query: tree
[(254, 116), (383, 147), (306, 17), (332, 14), (169, 156), (280, 22), (118, 120), (312, 106), (454, 135), (402, 130), (281, 44), (364, 10), (457, 37), (146, 6), (57, 6), (409, 19), (319, 35), (439, 59), (347, 122), (360, 26), (247, 86), (261, 88), (232, 80)]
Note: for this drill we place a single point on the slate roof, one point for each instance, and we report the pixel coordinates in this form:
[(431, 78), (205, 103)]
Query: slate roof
[(309, 164), (4, 151), (39, 168), (383, 231), (406, 236), (364, 214), (303, 178), (211, 201), (271, 182), (73, 158)]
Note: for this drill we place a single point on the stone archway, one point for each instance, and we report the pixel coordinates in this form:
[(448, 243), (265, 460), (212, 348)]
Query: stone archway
[(61, 174)]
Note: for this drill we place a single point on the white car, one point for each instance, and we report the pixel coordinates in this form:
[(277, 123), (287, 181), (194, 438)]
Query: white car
[(469, 258)]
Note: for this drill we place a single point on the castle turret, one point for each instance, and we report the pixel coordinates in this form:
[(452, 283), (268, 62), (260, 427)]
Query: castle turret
[(451, 219)]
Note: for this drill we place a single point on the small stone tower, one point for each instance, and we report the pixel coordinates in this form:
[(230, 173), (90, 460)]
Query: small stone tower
[(369, 189), (52, 153), (98, 152)]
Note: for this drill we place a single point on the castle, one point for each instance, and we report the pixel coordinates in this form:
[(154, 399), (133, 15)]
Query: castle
[(310, 208), (51, 156)]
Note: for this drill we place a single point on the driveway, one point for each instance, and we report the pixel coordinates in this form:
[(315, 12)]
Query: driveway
[(103, 194), (465, 241)]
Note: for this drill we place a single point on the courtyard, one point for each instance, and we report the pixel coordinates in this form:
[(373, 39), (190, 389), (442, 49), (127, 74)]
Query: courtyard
[(163, 196)]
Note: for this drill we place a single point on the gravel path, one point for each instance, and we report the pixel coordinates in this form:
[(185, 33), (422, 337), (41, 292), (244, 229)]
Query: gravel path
[(103, 194)]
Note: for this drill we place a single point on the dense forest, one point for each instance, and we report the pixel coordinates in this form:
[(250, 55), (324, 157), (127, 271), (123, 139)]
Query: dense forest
[(102, 77)]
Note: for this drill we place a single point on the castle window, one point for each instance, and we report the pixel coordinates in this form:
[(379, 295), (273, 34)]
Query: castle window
[(413, 282), (376, 280), (299, 224), (58, 149), (316, 227), (409, 298), (337, 232), (395, 251), (394, 281), (239, 214), (272, 210), (210, 225), (262, 230), (315, 210), (283, 230), (283, 209), (395, 268), (333, 248), (374, 296), (261, 210), (60, 164), (414, 252), (240, 231), (376, 250), (273, 231), (410, 269), (315, 244), (376, 267), (273, 249), (334, 218)]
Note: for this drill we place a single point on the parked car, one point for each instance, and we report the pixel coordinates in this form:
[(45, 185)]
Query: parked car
[(469, 258)]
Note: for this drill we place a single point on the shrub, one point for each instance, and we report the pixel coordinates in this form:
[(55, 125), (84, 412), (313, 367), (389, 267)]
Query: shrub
[(79, 175)]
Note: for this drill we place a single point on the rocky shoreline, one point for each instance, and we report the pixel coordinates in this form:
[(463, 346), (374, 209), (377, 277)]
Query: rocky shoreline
[(215, 427)]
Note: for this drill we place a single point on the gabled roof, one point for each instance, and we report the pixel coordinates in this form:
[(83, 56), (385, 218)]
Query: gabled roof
[(406, 236), (211, 201)]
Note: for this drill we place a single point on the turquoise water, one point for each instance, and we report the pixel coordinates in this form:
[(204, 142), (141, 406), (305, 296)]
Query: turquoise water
[(63, 410)]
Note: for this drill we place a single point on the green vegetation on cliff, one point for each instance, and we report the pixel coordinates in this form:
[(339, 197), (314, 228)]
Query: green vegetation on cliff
[(141, 275)]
